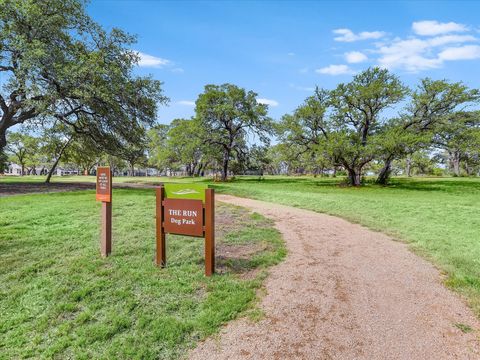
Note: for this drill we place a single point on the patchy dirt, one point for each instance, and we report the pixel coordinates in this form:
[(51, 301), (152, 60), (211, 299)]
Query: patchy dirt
[(233, 256), (345, 292), (19, 188)]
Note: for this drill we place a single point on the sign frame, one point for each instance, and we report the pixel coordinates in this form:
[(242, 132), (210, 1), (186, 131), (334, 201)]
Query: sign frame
[(208, 225)]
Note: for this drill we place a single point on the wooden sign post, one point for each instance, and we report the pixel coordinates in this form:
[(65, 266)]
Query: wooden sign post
[(104, 194), (186, 209)]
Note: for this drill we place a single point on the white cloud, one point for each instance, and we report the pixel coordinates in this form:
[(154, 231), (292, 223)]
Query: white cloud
[(433, 44), (335, 70), (433, 27), (467, 52), (416, 54), (151, 61), (354, 57), (178, 70), (347, 35), (450, 39), (186, 102), (291, 54), (268, 102)]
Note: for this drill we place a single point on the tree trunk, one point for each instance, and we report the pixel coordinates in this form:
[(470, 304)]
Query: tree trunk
[(408, 167), (51, 171), (385, 172), (54, 166), (456, 163), (199, 169), (468, 170), (132, 169), (334, 172), (226, 158), (354, 176), (3, 138)]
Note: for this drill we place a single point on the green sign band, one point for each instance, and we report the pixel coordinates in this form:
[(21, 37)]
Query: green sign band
[(185, 191)]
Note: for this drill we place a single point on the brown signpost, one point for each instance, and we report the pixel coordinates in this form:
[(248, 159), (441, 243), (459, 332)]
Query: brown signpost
[(104, 194), (186, 209)]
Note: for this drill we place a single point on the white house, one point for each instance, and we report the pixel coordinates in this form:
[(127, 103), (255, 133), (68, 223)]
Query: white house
[(67, 171), (13, 169)]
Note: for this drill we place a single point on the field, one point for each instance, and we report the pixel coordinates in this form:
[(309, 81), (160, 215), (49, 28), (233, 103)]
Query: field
[(60, 299), (438, 217)]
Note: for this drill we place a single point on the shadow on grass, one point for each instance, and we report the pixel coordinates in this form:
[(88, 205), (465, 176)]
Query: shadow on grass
[(460, 186)]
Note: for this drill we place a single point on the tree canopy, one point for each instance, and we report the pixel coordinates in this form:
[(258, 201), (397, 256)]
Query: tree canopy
[(228, 115), (58, 64)]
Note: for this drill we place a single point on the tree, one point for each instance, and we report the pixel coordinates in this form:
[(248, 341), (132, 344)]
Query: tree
[(430, 102), (135, 154), (306, 133), (228, 115), (60, 65), (419, 163), (55, 142), (185, 144), (259, 159), (114, 162), (357, 109), (343, 125), (84, 153), (159, 155), (459, 135), (23, 148)]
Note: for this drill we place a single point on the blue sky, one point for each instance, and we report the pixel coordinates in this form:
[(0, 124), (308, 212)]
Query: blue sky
[(282, 49)]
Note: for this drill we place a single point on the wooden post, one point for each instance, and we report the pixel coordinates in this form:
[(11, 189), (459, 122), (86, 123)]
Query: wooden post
[(106, 240), (160, 234), (104, 194), (209, 232)]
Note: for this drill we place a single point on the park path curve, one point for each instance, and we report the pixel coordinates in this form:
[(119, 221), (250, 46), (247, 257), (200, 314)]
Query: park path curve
[(346, 292)]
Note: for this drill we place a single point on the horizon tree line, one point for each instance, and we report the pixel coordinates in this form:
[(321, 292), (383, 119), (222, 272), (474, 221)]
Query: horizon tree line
[(71, 92)]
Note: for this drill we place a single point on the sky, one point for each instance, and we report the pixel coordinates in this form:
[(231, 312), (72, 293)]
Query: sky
[(283, 49)]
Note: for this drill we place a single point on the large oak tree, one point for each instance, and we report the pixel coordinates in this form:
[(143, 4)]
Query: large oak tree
[(56, 63), (228, 115)]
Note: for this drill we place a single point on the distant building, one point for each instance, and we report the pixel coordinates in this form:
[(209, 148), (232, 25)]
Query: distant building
[(61, 171), (13, 169)]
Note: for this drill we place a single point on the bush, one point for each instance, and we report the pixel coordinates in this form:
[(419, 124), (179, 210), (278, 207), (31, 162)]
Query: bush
[(436, 171)]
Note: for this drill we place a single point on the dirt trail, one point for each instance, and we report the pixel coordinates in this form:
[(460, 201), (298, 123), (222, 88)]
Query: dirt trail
[(346, 292)]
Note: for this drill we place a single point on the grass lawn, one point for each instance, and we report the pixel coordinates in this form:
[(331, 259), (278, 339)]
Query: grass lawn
[(439, 217), (59, 298)]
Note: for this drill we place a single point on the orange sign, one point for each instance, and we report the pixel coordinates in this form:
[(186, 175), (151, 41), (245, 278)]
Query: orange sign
[(104, 184), (184, 217)]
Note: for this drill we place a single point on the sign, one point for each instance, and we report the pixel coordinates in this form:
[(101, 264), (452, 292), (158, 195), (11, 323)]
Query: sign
[(104, 184), (186, 209), (185, 191), (104, 194), (184, 217)]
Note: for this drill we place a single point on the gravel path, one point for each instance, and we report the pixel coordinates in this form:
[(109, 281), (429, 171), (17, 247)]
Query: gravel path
[(346, 292)]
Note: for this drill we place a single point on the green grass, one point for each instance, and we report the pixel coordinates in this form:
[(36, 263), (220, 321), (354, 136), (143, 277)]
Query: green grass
[(60, 299), (438, 217)]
